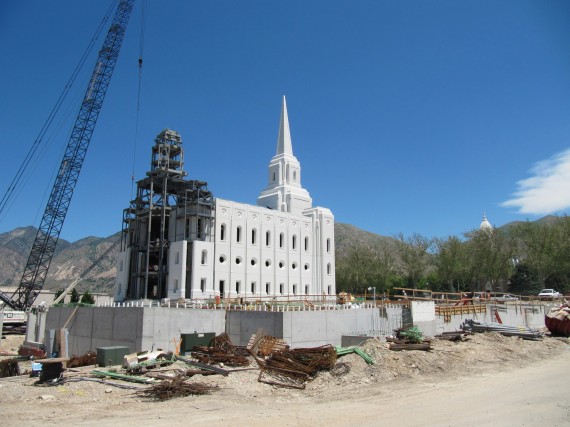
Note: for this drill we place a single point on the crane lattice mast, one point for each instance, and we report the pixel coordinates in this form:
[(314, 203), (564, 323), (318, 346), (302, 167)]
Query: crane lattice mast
[(43, 248)]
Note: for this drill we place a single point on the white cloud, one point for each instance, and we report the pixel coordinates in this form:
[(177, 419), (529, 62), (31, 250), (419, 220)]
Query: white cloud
[(548, 191)]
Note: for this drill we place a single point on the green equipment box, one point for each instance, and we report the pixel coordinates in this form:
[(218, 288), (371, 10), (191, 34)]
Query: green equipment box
[(111, 356), (197, 339)]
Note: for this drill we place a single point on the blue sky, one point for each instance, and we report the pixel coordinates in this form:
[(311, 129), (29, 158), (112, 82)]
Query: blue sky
[(406, 116)]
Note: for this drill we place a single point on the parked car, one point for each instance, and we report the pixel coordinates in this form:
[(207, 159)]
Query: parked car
[(548, 294)]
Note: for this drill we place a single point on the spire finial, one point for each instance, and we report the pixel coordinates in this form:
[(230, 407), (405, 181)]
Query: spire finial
[(284, 145)]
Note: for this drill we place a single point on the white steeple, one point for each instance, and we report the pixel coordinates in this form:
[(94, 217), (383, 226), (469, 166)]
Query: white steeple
[(284, 145), (284, 191)]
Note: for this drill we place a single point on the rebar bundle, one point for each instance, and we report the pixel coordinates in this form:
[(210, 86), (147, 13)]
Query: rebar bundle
[(211, 356), (524, 332), (176, 387), (221, 350), (89, 358)]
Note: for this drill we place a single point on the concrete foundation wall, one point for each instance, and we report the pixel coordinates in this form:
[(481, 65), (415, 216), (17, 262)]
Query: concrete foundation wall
[(162, 327), (92, 327), (307, 328), (144, 328), (139, 328)]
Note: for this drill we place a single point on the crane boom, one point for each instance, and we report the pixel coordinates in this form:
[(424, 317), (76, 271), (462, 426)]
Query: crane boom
[(43, 248)]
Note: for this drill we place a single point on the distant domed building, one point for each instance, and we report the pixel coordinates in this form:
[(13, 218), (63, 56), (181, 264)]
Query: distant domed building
[(485, 225)]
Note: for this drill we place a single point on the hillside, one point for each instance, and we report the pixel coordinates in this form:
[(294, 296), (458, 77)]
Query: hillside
[(70, 260)]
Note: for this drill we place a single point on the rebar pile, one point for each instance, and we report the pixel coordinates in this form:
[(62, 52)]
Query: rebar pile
[(295, 367), (306, 360), (524, 332), (89, 358), (221, 350), (177, 387), (211, 356)]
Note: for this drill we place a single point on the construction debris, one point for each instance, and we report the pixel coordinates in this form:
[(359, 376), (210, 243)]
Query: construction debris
[(341, 368), (509, 331), (115, 375), (134, 359), (341, 351), (9, 368), (557, 320), (409, 346), (221, 351), (264, 345), (176, 387), (454, 336), (204, 366), (293, 368), (89, 358)]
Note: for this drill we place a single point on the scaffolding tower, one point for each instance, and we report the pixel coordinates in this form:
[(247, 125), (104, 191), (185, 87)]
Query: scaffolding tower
[(166, 208)]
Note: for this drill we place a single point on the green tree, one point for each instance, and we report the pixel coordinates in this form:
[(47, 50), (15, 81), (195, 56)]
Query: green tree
[(87, 298), (74, 299), (524, 280), (58, 293), (491, 254), (544, 248), (452, 263), (414, 256)]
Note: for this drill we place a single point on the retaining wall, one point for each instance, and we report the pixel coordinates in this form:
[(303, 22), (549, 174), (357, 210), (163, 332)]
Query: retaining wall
[(143, 328)]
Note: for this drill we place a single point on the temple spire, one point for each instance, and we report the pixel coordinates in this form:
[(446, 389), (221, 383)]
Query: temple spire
[(284, 145)]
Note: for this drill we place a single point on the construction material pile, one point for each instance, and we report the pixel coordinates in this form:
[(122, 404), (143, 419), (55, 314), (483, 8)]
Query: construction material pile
[(454, 336), (89, 358), (283, 367), (221, 350), (408, 339), (293, 368), (557, 320), (176, 387), (524, 332)]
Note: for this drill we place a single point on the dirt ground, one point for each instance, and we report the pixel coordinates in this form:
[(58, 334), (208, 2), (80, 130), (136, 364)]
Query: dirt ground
[(487, 380)]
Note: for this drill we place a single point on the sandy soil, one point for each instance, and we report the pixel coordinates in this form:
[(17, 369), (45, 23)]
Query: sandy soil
[(487, 380)]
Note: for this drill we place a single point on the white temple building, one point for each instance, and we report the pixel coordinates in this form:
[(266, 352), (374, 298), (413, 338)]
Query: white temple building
[(179, 242), (485, 225)]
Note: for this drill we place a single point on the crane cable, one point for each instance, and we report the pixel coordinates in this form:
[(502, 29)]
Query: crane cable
[(141, 46), (8, 197)]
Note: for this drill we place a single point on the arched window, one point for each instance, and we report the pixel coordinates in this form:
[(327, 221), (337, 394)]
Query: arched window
[(268, 238), (306, 243), (204, 257), (253, 236), (238, 234), (328, 245), (223, 232), (294, 242), (281, 239), (329, 268)]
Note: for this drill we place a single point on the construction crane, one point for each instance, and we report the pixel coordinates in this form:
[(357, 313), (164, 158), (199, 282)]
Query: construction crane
[(43, 248)]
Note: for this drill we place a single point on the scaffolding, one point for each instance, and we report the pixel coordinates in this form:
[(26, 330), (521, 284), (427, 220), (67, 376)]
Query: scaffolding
[(166, 208)]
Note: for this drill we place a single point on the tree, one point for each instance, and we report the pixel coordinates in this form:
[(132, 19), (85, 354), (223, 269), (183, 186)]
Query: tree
[(491, 254), (74, 299), (544, 248), (87, 298), (57, 294), (452, 263), (524, 280), (414, 256)]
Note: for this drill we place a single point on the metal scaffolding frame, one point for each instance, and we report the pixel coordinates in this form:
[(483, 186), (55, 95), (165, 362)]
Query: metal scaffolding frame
[(146, 222)]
